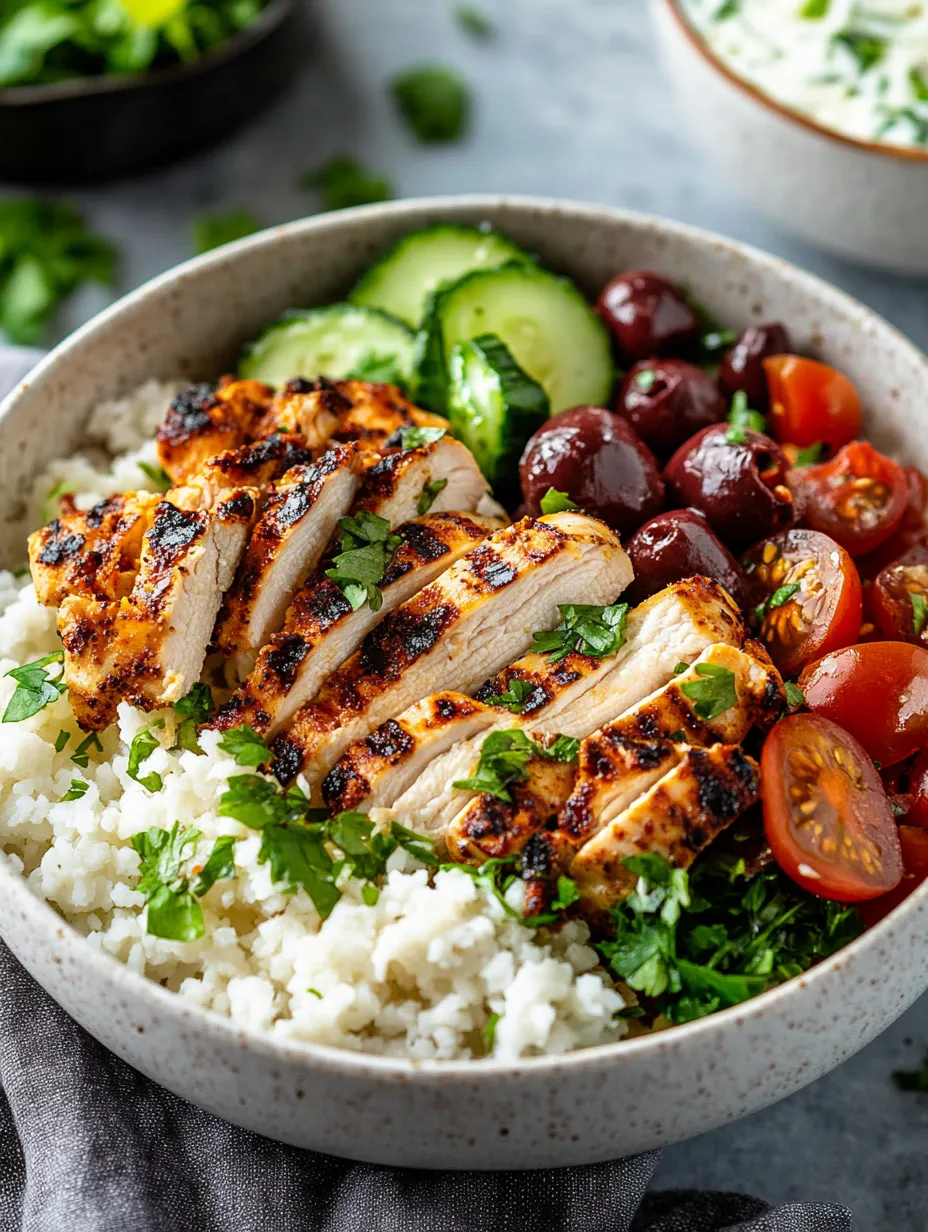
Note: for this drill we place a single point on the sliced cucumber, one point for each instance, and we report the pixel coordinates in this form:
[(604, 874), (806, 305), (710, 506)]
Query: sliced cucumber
[(418, 264), (494, 407), (553, 333), (339, 341)]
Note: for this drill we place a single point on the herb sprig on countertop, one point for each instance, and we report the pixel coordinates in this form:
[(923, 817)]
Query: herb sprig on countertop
[(342, 182), (434, 101)]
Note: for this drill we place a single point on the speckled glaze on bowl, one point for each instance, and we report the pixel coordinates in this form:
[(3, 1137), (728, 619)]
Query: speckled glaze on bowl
[(863, 200), (587, 1106)]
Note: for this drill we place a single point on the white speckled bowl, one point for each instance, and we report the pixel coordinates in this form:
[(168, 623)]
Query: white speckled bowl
[(588, 1106), (860, 199)]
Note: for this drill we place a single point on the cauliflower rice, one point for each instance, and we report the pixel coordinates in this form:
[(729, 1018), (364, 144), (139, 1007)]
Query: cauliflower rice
[(420, 974)]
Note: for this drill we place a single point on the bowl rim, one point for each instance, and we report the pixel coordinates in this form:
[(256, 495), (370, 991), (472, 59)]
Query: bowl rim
[(274, 13), (146, 993), (698, 42)]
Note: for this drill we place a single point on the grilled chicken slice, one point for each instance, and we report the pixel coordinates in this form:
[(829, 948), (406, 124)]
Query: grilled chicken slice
[(321, 631), (340, 411), (441, 475), (202, 421), (677, 818), (94, 553), (149, 648), (299, 517), (574, 696), (253, 465), (478, 615)]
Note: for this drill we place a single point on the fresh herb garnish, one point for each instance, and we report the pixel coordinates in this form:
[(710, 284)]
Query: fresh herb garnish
[(680, 668), (781, 595), (810, 455), (213, 230), (713, 693), (504, 758), (81, 755), (342, 182), (160, 479), (34, 689), (434, 101), (716, 340), (367, 546), (591, 630), (554, 501), (489, 1031), (171, 888), (314, 992), (141, 748), (728, 8), (919, 612), (715, 937), (61, 740), (495, 877), (741, 416), (429, 494), (244, 745), (474, 21), (919, 84), (418, 845), (867, 49), (735, 436), (645, 379), (794, 695), (567, 893), (77, 789), (194, 709), (815, 10), (912, 1079), (514, 697), (413, 437)]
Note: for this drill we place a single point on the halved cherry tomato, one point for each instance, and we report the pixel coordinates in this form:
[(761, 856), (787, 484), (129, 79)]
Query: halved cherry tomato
[(859, 497), (826, 815), (917, 814), (899, 597), (878, 691), (911, 530), (808, 596), (914, 845), (811, 402)]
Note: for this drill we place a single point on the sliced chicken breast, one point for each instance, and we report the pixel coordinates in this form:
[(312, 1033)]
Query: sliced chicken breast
[(321, 631), (677, 818), (203, 420), (439, 476), (340, 411), (480, 614)]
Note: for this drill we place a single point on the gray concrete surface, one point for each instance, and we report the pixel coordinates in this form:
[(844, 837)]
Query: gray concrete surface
[(569, 100)]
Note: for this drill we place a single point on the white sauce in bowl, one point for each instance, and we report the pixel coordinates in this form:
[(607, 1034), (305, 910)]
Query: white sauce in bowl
[(859, 67)]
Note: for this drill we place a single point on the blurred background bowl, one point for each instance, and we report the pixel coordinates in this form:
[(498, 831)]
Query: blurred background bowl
[(97, 128), (863, 200)]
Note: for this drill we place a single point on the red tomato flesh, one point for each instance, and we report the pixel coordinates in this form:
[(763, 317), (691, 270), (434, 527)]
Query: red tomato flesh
[(811, 402), (859, 498), (917, 814), (914, 845), (878, 691), (827, 819), (899, 598)]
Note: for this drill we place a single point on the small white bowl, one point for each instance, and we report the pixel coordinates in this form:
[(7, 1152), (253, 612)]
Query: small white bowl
[(545, 1111), (859, 199)]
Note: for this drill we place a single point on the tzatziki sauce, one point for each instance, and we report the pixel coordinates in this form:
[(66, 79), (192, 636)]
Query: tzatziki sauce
[(859, 67)]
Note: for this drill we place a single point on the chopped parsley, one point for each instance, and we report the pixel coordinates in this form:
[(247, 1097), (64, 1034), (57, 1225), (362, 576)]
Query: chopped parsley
[(699, 941), (781, 595), (495, 877), (61, 740), (515, 696), (728, 8), (213, 230), (794, 695), (741, 416), (591, 630), (912, 1079), (919, 612), (157, 475), (681, 668), (735, 436), (919, 84), (77, 789), (194, 709), (434, 101), (81, 755), (244, 745), (567, 893), (713, 693), (429, 494), (867, 49), (810, 455), (171, 886), (367, 546), (411, 436), (141, 748), (645, 379), (34, 689), (815, 10), (342, 182), (489, 1031), (504, 758), (716, 340), (554, 501), (474, 21)]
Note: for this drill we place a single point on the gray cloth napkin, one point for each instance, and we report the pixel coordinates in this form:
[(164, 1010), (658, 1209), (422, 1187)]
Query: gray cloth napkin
[(89, 1145)]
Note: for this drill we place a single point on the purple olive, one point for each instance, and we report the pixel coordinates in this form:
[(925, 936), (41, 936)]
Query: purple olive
[(737, 478), (599, 461), (647, 315), (743, 366), (667, 400), (676, 545)]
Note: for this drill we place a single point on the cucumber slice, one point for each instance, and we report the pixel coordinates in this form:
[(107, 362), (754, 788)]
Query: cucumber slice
[(340, 341), (494, 407), (553, 333), (402, 280)]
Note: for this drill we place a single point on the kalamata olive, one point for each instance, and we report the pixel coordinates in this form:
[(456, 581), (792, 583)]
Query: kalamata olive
[(599, 461), (647, 315), (737, 478), (667, 400), (743, 368), (676, 545)]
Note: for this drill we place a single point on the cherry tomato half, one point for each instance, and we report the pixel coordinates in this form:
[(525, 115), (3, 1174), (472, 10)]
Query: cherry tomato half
[(878, 691), (808, 596), (859, 497), (899, 597), (826, 815), (917, 814), (914, 845), (811, 402), (911, 530)]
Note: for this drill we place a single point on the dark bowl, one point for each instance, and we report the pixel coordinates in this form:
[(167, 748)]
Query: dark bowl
[(96, 128)]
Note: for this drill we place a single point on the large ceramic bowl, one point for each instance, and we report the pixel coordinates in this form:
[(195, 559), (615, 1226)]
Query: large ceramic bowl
[(863, 200), (574, 1109)]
